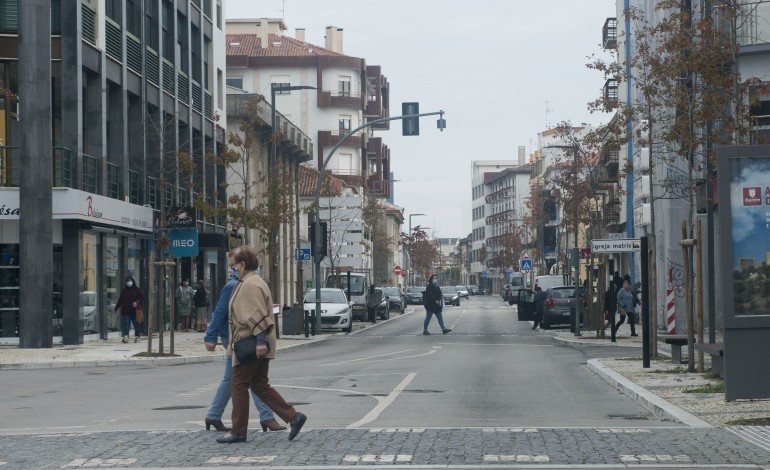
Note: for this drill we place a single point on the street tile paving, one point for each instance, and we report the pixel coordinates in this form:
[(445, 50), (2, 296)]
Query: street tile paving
[(430, 446)]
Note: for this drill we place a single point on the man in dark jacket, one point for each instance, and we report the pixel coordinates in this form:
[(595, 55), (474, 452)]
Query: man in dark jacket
[(539, 307), (434, 305)]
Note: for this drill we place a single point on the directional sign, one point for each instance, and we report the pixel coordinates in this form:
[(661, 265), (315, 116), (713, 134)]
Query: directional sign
[(397, 270), (621, 245), (525, 265), (302, 254), (483, 274)]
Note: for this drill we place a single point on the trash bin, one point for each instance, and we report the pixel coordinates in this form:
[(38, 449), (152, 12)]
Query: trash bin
[(292, 320)]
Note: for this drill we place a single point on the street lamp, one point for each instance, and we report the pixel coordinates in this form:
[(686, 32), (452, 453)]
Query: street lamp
[(274, 88), (410, 278)]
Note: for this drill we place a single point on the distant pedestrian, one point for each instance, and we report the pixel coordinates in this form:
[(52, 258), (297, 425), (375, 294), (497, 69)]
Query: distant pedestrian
[(610, 302), (250, 315), (434, 305), (539, 307), (218, 329), (625, 300), (200, 303), (131, 298), (183, 299)]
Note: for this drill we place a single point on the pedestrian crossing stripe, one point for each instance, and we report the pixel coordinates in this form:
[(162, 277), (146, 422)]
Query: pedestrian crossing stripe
[(89, 463), (519, 458), (242, 459), (373, 458), (657, 458)]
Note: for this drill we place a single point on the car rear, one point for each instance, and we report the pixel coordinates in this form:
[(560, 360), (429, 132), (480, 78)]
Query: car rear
[(558, 305)]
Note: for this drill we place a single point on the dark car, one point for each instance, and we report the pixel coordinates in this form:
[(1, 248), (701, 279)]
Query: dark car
[(451, 296), (474, 290), (396, 301), (559, 302), (414, 295), (382, 310)]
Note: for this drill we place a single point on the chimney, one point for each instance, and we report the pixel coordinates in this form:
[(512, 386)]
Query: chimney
[(522, 155), (334, 39), (299, 34), (263, 33)]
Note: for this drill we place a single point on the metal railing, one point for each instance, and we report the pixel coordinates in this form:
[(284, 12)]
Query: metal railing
[(10, 167), (63, 168), (114, 40), (197, 99), (114, 177), (168, 77), (151, 196), (133, 53), (133, 187), (153, 67), (183, 88), (89, 24), (209, 105), (91, 172)]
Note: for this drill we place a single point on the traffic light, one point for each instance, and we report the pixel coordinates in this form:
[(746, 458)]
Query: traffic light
[(324, 238), (410, 126)]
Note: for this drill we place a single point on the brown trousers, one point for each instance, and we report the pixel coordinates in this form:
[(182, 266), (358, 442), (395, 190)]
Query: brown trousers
[(253, 375)]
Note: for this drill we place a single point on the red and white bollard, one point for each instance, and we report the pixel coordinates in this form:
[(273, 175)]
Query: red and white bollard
[(670, 311)]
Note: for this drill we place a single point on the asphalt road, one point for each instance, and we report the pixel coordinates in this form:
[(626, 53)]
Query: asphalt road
[(493, 387)]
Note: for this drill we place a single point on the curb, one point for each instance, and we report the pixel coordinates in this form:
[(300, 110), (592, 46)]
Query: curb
[(659, 407), (578, 344)]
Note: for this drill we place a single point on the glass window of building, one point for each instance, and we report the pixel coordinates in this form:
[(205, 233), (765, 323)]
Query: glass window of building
[(89, 275)]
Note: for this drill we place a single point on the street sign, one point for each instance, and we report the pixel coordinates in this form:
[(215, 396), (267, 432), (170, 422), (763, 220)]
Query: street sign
[(184, 242), (585, 253), (308, 285), (442, 273), (403, 273), (622, 245), (397, 270), (483, 274), (525, 265), (302, 254)]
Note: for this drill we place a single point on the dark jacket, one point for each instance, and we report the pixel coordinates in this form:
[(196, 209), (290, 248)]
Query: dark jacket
[(128, 296), (432, 298), (539, 302), (200, 299), (218, 328), (610, 300)]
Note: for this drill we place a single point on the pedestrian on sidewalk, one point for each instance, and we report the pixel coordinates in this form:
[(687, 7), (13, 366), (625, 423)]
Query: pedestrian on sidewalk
[(131, 298), (434, 305), (218, 329), (183, 304), (610, 306), (251, 314), (625, 300), (539, 307), (200, 303)]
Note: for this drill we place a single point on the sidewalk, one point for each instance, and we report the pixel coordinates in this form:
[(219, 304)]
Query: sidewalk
[(667, 389)]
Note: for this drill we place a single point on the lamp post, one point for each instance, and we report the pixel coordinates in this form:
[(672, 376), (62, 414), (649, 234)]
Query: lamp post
[(274, 88), (409, 277)]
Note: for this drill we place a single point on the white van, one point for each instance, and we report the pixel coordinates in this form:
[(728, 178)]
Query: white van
[(546, 282)]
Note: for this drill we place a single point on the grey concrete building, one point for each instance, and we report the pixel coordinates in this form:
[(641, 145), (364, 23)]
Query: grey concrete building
[(134, 85)]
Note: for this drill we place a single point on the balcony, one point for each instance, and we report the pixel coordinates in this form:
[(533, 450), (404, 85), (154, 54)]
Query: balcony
[(610, 34), (611, 93), (62, 167), (610, 157), (606, 174), (332, 138), (344, 100), (377, 96), (612, 212)]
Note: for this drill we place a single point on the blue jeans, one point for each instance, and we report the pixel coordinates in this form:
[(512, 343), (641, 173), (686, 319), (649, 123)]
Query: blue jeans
[(439, 317), (126, 321), (222, 396)]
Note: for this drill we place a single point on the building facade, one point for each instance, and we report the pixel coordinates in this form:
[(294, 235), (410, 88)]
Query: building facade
[(134, 85)]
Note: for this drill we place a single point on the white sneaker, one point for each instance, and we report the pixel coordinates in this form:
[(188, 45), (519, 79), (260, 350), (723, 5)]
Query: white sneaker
[(125, 339), (136, 339)]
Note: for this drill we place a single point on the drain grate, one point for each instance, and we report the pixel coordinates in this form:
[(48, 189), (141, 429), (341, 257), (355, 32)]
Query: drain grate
[(630, 417), (179, 407), (423, 391)]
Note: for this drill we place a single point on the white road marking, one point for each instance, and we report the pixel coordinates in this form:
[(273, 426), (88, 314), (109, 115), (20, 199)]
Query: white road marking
[(382, 358), (324, 377), (519, 458), (384, 402), (242, 459), (320, 389), (622, 430), (509, 430), (393, 430), (372, 458), (657, 458), (41, 429), (90, 463), (757, 435)]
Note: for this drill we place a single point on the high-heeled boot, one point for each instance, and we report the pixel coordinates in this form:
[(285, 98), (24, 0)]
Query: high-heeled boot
[(217, 423), (272, 425)]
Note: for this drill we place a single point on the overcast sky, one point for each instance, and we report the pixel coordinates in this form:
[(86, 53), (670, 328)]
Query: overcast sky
[(492, 65)]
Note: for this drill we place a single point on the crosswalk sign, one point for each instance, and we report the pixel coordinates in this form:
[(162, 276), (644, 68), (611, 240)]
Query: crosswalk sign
[(526, 265)]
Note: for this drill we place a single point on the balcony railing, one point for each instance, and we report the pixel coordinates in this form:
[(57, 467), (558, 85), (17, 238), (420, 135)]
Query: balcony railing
[(63, 168), (610, 34), (612, 213), (91, 172), (114, 183), (134, 191), (10, 167), (611, 92)]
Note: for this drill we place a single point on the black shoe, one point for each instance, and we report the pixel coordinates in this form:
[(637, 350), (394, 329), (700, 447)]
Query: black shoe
[(426, 333), (534, 327), (446, 330), (231, 439), (296, 424), (634, 334)]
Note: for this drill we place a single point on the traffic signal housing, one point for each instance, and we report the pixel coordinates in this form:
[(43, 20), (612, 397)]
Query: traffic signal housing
[(410, 126)]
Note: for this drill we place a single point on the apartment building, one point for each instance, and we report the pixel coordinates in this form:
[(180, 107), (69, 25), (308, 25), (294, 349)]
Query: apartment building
[(133, 84)]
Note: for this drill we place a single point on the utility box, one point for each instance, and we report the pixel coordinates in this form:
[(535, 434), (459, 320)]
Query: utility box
[(292, 320)]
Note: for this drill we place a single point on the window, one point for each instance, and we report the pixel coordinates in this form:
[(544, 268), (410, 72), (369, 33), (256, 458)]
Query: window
[(112, 8), (151, 23), (344, 122), (134, 17), (281, 82), (219, 14), (168, 31), (235, 82), (344, 86)]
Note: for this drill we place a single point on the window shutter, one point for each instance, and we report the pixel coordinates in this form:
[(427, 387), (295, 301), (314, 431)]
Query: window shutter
[(9, 16)]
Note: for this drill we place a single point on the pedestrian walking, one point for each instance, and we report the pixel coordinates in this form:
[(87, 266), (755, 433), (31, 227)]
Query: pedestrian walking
[(218, 329), (625, 303), (434, 305), (183, 302), (200, 303), (250, 315), (539, 307), (131, 299), (610, 302)]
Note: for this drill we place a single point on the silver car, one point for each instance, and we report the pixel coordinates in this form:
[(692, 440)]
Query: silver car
[(463, 291), (558, 305)]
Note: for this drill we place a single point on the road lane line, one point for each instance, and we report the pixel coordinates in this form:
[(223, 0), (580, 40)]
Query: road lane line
[(384, 402), (362, 361), (370, 357), (335, 376)]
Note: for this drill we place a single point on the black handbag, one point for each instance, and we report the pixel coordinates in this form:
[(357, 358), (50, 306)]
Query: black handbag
[(245, 349)]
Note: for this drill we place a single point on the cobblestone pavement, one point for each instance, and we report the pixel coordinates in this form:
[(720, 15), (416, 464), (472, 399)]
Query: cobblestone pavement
[(671, 448)]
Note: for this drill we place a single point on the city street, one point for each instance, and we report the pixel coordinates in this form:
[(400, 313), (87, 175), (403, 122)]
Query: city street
[(492, 392)]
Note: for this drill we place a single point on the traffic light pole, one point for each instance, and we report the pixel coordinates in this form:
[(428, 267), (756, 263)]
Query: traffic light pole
[(317, 255)]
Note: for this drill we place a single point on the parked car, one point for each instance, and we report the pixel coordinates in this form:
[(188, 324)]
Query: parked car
[(396, 301), (559, 302), (382, 310), (414, 295), (472, 290), (336, 311), (451, 296), (463, 291), (546, 282)]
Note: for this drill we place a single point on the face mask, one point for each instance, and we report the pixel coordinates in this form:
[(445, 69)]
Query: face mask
[(435, 282), (129, 284), (234, 274)]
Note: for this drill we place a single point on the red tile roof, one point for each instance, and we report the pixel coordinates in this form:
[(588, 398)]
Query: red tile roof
[(249, 46), (308, 181)]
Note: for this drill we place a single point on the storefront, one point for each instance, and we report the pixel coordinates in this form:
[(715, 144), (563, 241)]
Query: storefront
[(97, 242)]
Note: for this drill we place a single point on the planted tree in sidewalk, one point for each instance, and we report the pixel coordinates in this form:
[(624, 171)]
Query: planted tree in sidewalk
[(422, 250)]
